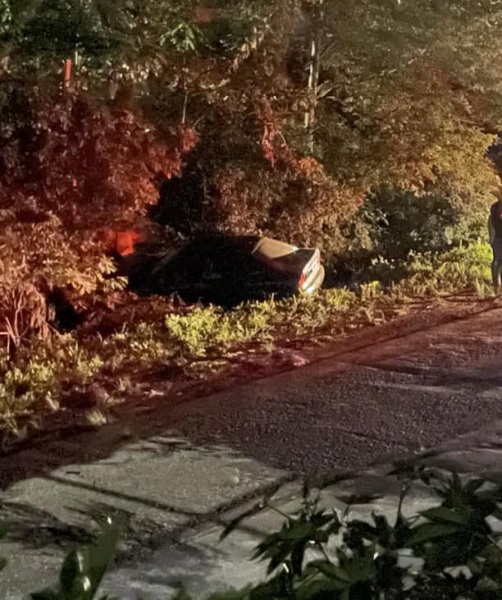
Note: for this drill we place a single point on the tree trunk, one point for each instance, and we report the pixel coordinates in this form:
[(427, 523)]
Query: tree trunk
[(316, 20)]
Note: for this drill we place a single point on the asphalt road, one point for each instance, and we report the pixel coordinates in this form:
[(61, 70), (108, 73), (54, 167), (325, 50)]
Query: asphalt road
[(398, 396), (189, 463)]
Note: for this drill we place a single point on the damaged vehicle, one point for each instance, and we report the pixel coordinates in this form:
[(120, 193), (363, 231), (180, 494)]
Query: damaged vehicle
[(227, 270)]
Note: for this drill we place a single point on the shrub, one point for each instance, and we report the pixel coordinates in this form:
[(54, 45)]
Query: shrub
[(23, 313), (391, 225), (69, 167), (65, 154), (464, 268)]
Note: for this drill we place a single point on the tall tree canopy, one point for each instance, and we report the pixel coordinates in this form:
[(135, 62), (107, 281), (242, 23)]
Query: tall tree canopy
[(328, 100)]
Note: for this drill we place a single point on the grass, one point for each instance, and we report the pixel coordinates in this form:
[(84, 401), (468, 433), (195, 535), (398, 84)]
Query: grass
[(201, 340)]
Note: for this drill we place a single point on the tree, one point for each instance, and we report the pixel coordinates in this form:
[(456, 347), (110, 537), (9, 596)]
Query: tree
[(388, 97)]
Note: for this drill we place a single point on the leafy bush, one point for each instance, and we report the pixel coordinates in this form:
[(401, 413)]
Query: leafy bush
[(70, 166), (464, 268), (391, 225), (79, 159), (450, 551), (298, 202)]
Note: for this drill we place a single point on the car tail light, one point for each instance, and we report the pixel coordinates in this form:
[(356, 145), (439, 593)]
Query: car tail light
[(313, 263)]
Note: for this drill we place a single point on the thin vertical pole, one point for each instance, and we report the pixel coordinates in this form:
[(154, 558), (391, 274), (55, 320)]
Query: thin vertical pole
[(67, 73)]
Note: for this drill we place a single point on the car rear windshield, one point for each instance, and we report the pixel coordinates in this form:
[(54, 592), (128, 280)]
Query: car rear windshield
[(267, 249)]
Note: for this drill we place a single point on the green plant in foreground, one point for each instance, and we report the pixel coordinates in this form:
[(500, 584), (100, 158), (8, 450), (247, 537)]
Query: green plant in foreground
[(83, 569), (450, 551)]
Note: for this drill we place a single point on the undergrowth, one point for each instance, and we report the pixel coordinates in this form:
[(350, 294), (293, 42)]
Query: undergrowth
[(202, 339)]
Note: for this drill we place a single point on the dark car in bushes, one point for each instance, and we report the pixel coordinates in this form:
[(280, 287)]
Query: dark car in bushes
[(224, 269)]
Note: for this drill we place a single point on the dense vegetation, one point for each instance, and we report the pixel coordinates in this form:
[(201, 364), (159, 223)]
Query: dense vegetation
[(450, 551), (361, 126)]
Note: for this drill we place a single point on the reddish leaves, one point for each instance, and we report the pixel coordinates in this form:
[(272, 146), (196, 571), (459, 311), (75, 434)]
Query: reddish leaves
[(86, 164)]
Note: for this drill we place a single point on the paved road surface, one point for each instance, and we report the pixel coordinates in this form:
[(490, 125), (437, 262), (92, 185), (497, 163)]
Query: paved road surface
[(199, 460)]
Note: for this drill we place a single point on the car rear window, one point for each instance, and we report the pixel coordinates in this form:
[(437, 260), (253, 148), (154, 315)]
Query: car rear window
[(267, 249), (293, 263)]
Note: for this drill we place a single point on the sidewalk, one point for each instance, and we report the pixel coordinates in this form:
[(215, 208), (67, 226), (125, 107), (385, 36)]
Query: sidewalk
[(204, 461), (206, 564)]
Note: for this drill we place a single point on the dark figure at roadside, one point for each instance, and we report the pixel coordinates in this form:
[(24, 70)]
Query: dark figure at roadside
[(495, 231)]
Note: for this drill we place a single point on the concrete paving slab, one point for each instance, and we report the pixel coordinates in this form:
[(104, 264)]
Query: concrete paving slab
[(160, 485), (478, 452), (205, 563), (62, 513), (172, 474), (29, 570), (202, 564), (46, 518)]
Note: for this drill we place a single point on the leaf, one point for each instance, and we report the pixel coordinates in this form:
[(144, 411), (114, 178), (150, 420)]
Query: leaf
[(331, 570), (101, 554), (272, 589), (473, 485), (299, 531), (321, 518), (361, 568), (297, 556), (274, 549), (362, 529), (442, 513), (429, 531), (71, 571)]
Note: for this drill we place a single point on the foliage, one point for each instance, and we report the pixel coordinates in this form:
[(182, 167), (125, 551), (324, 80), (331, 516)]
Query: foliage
[(68, 156), (448, 551), (392, 224), (241, 81), (122, 42), (434, 274), (461, 268), (400, 83), (396, 109), (68, 169), (391, 177), (104, 34)]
